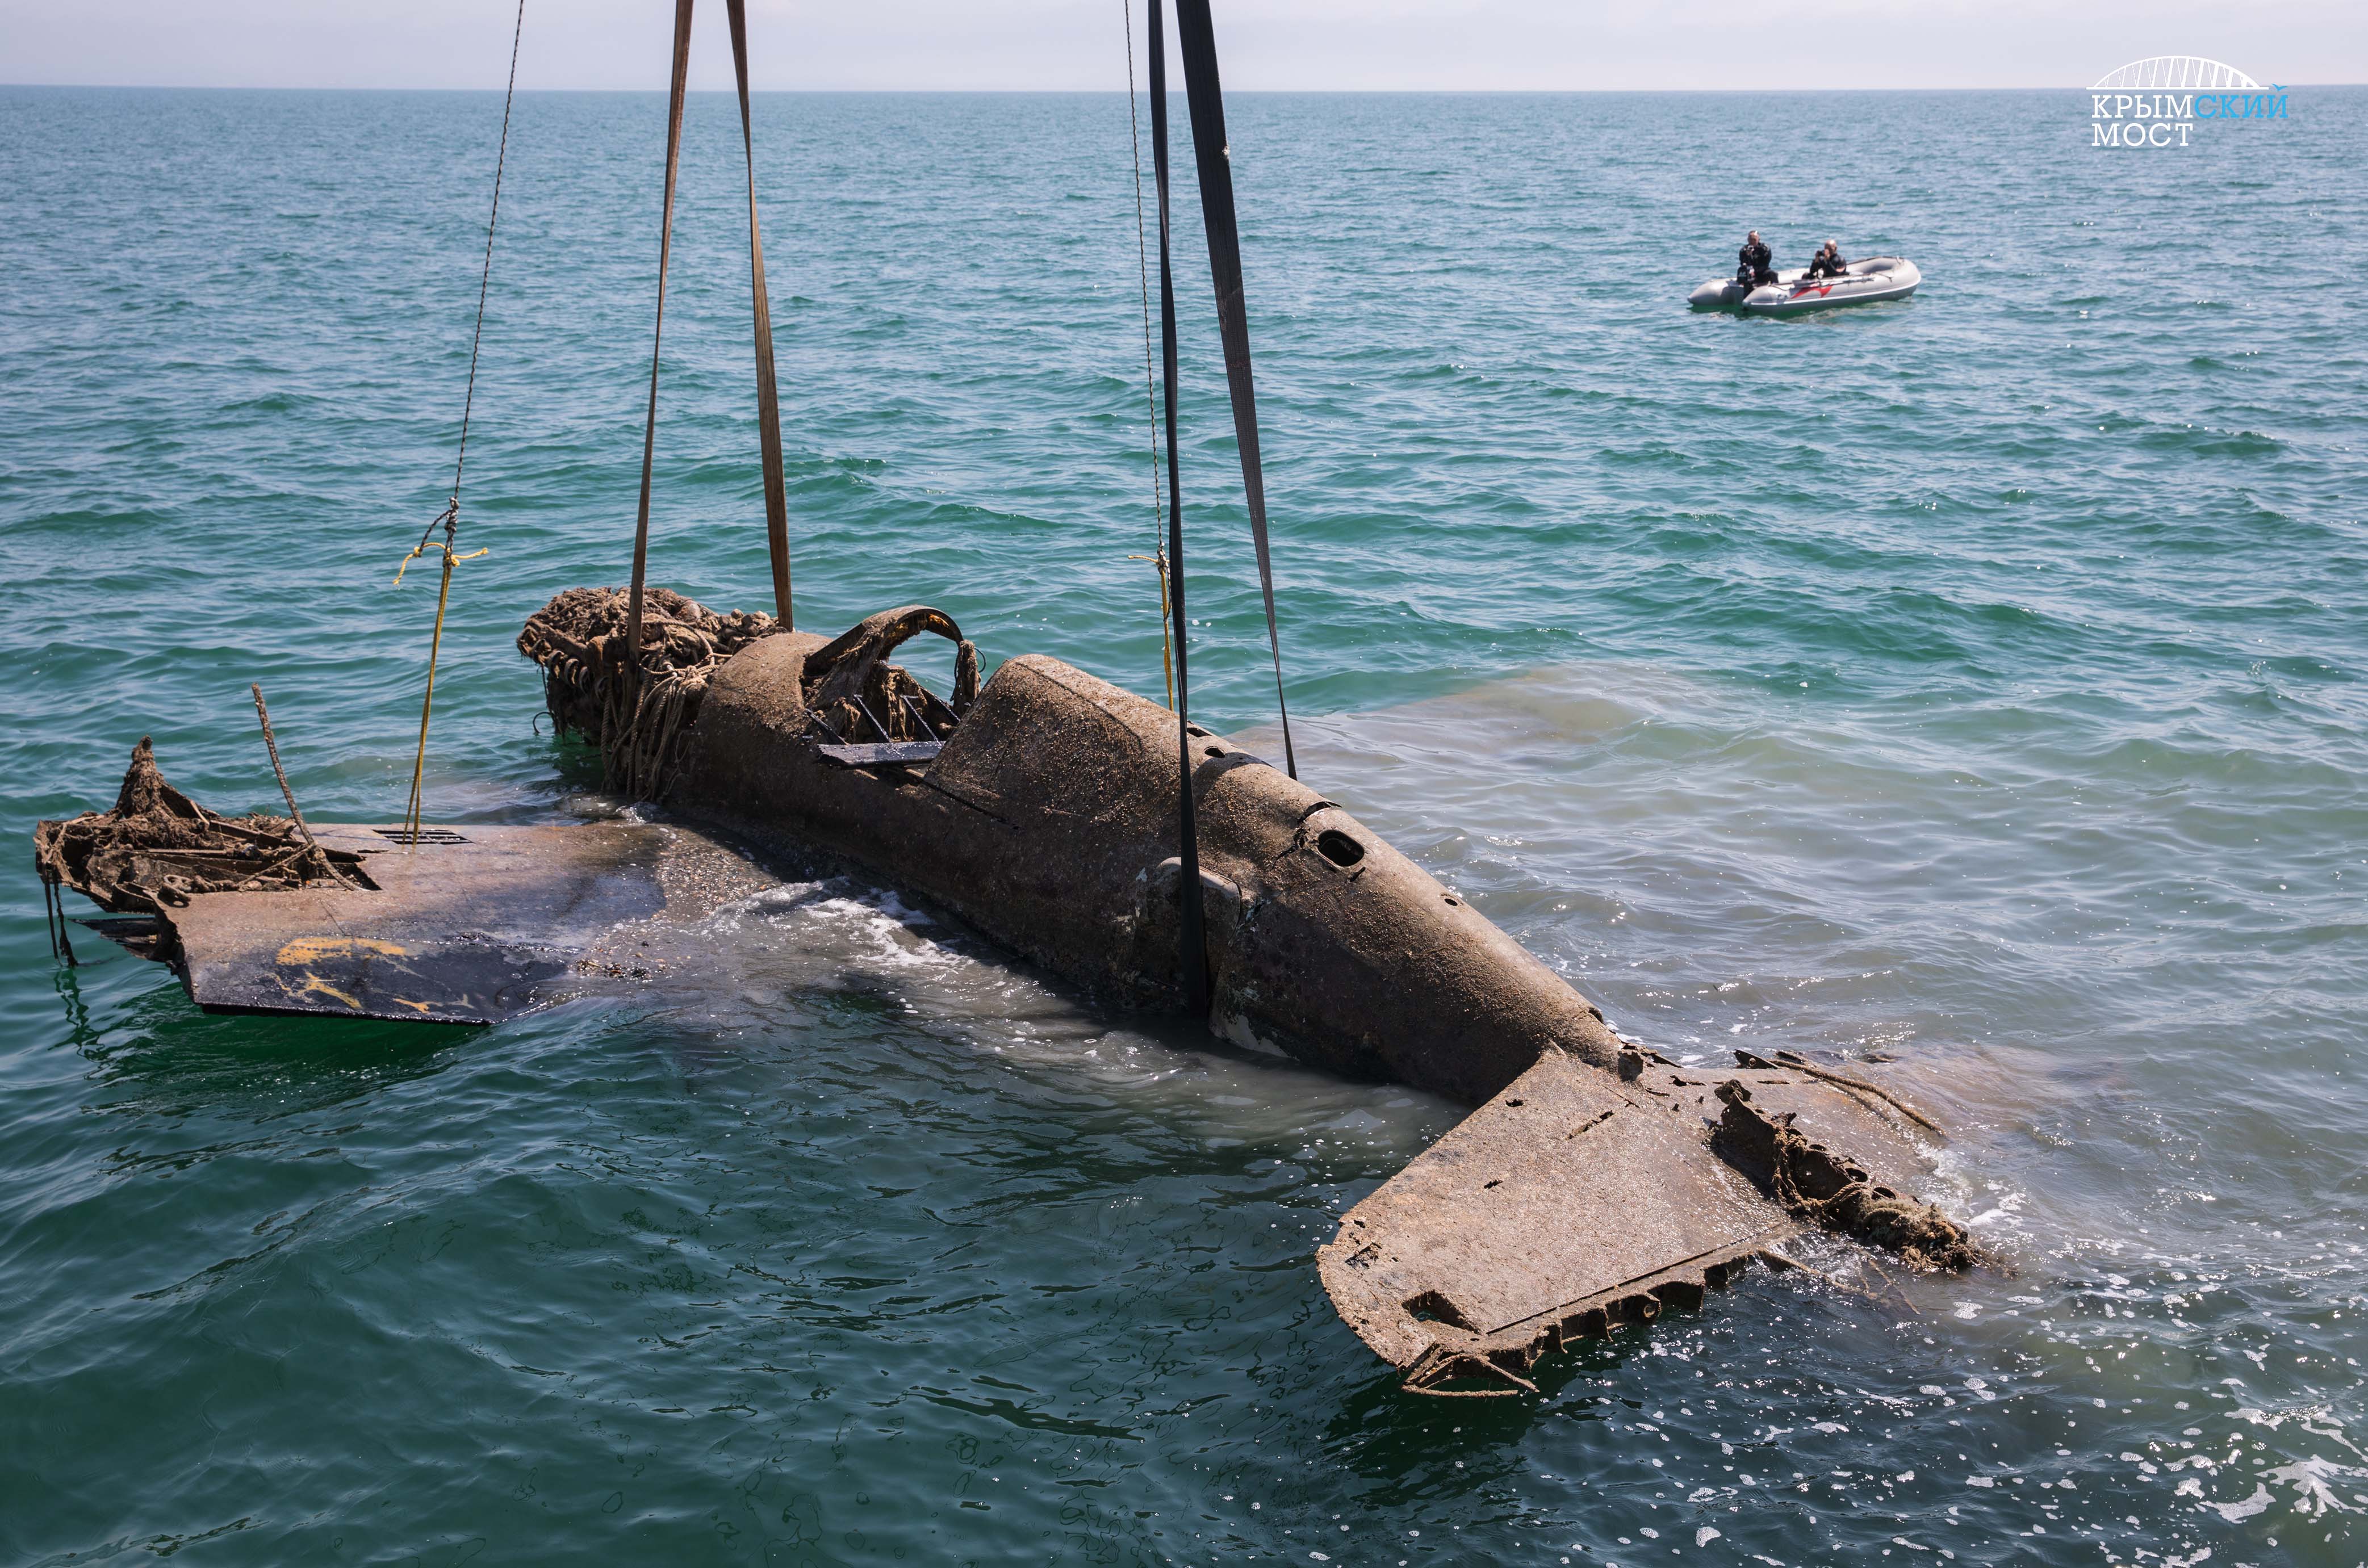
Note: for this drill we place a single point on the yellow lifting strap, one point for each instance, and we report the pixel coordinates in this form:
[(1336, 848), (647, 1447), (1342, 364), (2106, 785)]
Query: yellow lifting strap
[(1166, 654), (435, 646)]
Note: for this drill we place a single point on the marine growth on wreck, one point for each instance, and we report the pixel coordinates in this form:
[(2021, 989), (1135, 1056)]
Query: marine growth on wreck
[(1145, 862)]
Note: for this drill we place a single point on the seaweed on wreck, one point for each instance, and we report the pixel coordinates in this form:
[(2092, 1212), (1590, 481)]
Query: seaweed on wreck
[(157, 850), (579, 640)]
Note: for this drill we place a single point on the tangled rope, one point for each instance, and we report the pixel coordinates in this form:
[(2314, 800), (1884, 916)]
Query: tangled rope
[(580, 641)]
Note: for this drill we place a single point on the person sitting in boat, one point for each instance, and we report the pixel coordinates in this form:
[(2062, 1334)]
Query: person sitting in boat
[(1758, 264), (1828, 262)]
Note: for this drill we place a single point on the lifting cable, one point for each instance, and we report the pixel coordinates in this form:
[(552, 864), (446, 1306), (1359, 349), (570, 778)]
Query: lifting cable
[(1193, 952), (768, 412), (1150, 394), (768, 416), (1197, 44), (449, 519)]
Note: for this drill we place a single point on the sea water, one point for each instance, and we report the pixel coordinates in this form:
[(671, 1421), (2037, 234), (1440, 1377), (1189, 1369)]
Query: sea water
[(1975, 681)]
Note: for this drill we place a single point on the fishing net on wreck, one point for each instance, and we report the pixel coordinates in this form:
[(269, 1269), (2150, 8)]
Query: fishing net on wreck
[(640, 726), (158, 849)]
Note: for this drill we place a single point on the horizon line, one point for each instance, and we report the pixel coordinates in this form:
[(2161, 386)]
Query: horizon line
[(1066, 92)]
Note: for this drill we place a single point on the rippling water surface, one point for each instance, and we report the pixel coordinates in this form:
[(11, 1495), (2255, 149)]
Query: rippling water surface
[(1976, 681)]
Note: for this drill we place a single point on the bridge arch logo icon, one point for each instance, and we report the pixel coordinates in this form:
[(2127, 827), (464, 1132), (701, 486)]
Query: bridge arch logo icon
[(2158, 101), (2163, 72)]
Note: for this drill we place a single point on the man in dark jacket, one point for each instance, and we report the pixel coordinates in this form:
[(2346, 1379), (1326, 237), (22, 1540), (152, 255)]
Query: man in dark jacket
[(1757, 263), (1828, 263)]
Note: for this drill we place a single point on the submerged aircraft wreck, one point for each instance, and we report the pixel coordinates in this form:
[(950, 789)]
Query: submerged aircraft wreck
[(1148, 863)]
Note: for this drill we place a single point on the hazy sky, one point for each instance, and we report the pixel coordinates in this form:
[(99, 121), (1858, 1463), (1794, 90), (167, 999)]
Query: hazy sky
[(1264, 43)]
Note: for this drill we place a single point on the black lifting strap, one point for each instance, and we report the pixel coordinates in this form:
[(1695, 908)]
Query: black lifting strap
[(1197, 41), (1194, 954), (769, 409)]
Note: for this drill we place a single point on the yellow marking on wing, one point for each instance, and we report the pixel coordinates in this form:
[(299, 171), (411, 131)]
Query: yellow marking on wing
[(313, 983), (312, 950)]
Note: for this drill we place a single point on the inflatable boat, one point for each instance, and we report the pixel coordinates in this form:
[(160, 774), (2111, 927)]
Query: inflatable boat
[(1794, 292)]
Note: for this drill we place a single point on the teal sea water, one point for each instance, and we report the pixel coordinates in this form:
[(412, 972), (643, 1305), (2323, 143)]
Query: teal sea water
[(1979, 680)]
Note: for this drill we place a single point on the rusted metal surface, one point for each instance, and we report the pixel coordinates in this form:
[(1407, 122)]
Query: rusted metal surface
[(1047, 820), (1568, 1205), (140, 936), (881, 754), (857, 695), (1577, 1202), (471, 925), (1827, 1180), (1595, 1185)]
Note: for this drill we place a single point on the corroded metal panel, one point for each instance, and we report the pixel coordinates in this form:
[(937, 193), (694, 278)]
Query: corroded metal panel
[(1566, 1194), (1578, 1200), (469, 926)]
